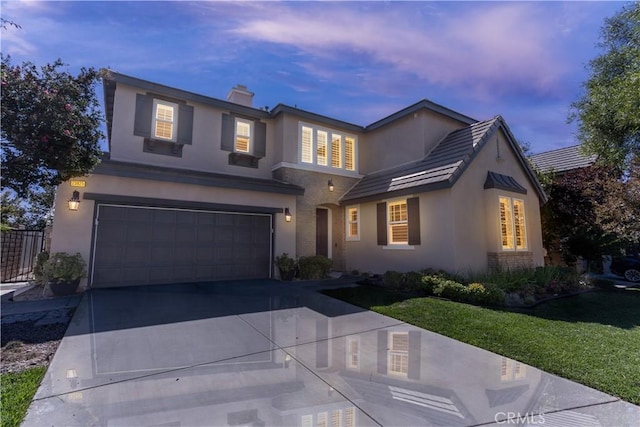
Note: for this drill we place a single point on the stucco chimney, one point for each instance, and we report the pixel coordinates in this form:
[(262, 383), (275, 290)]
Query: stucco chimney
[(240, 95)]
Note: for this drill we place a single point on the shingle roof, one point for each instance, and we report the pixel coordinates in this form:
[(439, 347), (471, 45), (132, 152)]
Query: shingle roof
[(562, 159), (439, 169)]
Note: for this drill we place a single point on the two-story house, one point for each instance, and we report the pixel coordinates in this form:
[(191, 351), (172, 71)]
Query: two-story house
[(195, 188)]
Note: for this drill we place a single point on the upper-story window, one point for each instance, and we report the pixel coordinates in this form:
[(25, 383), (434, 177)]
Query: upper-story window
[(244, 131), (326, 147), (165, 120), (165, 124)]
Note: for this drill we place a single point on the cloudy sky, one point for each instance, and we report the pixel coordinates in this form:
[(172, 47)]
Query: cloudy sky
[(354, 61)]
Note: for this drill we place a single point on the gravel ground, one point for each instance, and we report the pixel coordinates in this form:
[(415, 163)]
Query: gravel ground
[(25, 343)]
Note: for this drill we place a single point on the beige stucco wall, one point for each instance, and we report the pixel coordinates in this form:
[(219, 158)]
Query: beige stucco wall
[(459, 226), (436, 230), (405, 140), (476, 210), (204, 154), (72, 230)]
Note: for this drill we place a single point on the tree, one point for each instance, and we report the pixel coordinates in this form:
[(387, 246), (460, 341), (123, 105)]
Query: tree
[(591, 212), (50, 127), (608, 113)]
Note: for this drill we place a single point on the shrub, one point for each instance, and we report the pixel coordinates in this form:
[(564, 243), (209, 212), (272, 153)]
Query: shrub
[(413, 281), (452, 290), (314, 267), (393, 279), (38, 269), (63, 267), (492, 295)]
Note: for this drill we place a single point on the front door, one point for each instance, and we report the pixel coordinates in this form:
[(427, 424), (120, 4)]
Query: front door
[(322, 232)]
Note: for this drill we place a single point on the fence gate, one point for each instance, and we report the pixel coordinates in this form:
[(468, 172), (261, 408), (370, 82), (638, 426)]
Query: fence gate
[(19, 251)]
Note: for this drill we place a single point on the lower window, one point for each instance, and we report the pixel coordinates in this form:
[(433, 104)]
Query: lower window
[(513, 230)]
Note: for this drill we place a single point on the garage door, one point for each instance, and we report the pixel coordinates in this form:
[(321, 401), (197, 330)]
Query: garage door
[(140, 245)]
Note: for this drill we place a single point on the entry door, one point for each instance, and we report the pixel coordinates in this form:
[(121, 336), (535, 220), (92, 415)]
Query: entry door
[(322, 232)]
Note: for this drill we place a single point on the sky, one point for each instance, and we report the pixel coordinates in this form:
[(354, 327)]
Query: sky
[(353, 61)]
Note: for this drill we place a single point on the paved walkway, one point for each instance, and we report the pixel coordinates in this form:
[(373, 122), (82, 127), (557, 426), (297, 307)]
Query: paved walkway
[(272, 353)]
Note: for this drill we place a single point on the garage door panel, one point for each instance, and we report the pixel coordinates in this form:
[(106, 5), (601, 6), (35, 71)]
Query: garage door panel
[(137, 246)]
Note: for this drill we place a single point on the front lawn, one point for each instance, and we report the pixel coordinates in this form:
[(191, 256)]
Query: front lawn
[(17, 391), (592, 338)]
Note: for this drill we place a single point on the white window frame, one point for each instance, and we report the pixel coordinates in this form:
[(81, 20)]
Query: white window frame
[(155, 120), (337, 162), (401, 355), (322, 139), (391, 223), (248, 123), (353, 357), (349, 222), (306, 144), (512, 225)]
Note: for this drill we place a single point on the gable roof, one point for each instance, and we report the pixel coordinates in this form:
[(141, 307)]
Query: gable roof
[(562, 159), (440, 168)]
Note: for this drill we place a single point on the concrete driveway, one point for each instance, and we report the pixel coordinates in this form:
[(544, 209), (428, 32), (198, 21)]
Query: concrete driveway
[(268, 353)]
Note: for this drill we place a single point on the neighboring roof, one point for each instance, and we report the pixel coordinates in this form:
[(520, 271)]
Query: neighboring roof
[(503, 182), (562, 159), (440, 168), (183, 176)]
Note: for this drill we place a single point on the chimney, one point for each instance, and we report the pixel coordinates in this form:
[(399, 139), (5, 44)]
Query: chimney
[(240, 95)]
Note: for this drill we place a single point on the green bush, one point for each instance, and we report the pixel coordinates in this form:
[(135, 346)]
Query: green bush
[(393, 279), (38, 269), (314, 267), (491, 295), (413, 281), (452, 290)]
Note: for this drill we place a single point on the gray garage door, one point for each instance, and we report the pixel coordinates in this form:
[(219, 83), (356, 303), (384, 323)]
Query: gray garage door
[(138, 246)]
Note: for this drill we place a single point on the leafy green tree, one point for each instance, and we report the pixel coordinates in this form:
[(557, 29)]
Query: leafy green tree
[(50, 128), (591, 212), (608, 113)]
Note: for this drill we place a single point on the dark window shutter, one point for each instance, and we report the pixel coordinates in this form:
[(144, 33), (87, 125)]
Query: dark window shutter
[(413, 367), (382, 223), (228, 130), (185, 124), (144, 111), (413, 216), (260, 139), (382, 352)]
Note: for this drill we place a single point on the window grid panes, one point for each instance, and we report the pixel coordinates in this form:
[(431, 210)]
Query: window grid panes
[(322, 148), (327, 148), (513, 230), (399, 353), (243, 136), (307, 145), (349, 153), (336, 152), (164, 121), (353, 231), (398, 223)]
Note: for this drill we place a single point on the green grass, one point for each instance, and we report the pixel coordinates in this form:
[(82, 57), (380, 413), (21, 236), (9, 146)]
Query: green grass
[(592, 338), (17, 391)]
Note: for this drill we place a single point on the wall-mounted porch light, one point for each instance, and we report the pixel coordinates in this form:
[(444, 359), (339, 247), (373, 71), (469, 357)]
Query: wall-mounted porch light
[(287, 215), (331, 187), (74, 201)]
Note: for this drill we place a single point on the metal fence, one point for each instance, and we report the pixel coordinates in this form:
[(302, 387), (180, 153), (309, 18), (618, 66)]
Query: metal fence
[(19, 251)]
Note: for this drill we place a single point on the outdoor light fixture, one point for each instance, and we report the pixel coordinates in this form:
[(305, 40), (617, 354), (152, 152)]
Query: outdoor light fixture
[(331, 185), (74, 201), (287, 215)]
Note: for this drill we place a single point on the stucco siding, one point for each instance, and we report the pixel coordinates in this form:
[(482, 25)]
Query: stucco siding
[(72, 230), (405, 140), (204, 153), (436, 240), (476, 210)]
